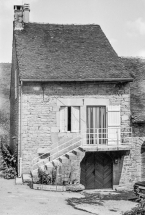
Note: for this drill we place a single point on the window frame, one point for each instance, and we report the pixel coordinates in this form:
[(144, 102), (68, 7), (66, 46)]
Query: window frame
[(69, 117)]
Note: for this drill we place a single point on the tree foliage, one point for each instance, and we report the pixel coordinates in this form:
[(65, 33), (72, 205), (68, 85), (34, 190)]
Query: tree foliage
[(9, 162)]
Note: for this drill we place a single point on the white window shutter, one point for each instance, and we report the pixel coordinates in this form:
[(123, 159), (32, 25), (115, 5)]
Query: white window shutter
[(75, 119), (63, 119), (113, 125)]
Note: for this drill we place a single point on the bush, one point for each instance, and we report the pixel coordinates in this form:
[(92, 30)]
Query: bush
[(9, 162), (46, 178), (140, 210)]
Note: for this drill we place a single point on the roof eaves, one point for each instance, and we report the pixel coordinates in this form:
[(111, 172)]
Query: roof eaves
[(78, 80)]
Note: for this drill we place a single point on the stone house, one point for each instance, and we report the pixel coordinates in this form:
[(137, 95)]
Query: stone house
[(70, 104)]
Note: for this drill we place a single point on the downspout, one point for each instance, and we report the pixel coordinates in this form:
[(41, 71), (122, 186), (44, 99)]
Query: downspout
[(20, 158)]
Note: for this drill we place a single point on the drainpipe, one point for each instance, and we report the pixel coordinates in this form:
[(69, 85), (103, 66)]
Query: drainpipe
[(20, 158)]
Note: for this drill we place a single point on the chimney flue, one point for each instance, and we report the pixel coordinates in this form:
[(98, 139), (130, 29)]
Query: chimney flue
[(18, 17), (26, 11), (21, 16)]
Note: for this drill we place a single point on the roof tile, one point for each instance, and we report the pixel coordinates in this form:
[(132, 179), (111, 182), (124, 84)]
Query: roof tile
[(49, 51)]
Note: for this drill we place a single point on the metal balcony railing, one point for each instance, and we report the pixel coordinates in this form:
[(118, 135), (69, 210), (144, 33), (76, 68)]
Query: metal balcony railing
[(108, 136)]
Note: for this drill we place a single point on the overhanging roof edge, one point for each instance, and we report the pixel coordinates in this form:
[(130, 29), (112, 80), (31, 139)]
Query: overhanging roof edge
[(79, 80)]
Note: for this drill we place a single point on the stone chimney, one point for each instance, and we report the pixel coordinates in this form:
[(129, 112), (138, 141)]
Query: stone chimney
[(21, 16), (26, 11), (18, 17)]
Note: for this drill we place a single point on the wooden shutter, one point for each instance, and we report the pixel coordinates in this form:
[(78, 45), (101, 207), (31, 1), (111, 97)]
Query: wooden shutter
[(75, 119), (63, 119), (113, 125)]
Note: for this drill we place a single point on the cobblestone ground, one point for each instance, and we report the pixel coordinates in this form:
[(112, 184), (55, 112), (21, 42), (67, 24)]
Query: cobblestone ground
[(21, 200)]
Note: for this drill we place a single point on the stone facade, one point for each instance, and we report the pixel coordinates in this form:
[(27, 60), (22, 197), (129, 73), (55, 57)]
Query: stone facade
[(40, 111), (40, 125)]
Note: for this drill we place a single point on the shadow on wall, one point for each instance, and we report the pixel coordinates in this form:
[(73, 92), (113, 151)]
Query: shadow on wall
[(118, 160)]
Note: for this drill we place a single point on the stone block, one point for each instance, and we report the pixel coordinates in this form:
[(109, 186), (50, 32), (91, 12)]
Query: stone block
[(125, 117), (26, 178), (54, 129), (18, 181)]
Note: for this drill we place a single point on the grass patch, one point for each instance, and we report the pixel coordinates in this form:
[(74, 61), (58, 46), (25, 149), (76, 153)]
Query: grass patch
[(97, 198), (118, 195)]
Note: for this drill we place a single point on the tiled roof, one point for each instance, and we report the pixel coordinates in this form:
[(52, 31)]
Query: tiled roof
[(136, 67), (66, 52)]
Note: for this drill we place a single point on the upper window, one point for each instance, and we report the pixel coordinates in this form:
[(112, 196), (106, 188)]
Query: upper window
[(69, 119)]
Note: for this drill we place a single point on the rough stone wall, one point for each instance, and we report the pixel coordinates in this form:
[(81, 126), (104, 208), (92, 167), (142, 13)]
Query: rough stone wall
[(132, 164), (39, 108)]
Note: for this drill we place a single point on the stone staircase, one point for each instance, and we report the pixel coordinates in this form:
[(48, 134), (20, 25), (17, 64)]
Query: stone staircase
[(65, 157)]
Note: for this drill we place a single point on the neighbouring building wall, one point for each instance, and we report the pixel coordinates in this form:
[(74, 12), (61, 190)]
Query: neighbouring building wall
[(136, 68), (138, 129), (133, 165), (40, 108)]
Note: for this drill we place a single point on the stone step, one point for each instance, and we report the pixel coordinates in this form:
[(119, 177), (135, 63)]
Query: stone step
[(49, 165), (70, 155), (64, 159), (77, 150), (56, 163)]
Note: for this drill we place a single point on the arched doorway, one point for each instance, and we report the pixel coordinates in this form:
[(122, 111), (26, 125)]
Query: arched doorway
[(97, 171), (143, 161)]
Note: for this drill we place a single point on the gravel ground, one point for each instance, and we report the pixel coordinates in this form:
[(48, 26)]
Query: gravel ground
[(21, 200)]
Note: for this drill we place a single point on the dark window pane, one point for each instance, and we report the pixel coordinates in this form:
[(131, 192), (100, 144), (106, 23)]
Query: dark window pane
[(69, 118)]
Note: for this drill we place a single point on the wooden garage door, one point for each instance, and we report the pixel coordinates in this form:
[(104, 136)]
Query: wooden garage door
[(96, 171)]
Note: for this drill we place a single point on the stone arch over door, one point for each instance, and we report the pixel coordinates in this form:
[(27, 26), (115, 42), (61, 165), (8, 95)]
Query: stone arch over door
[(96, 171), (143, 161)]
